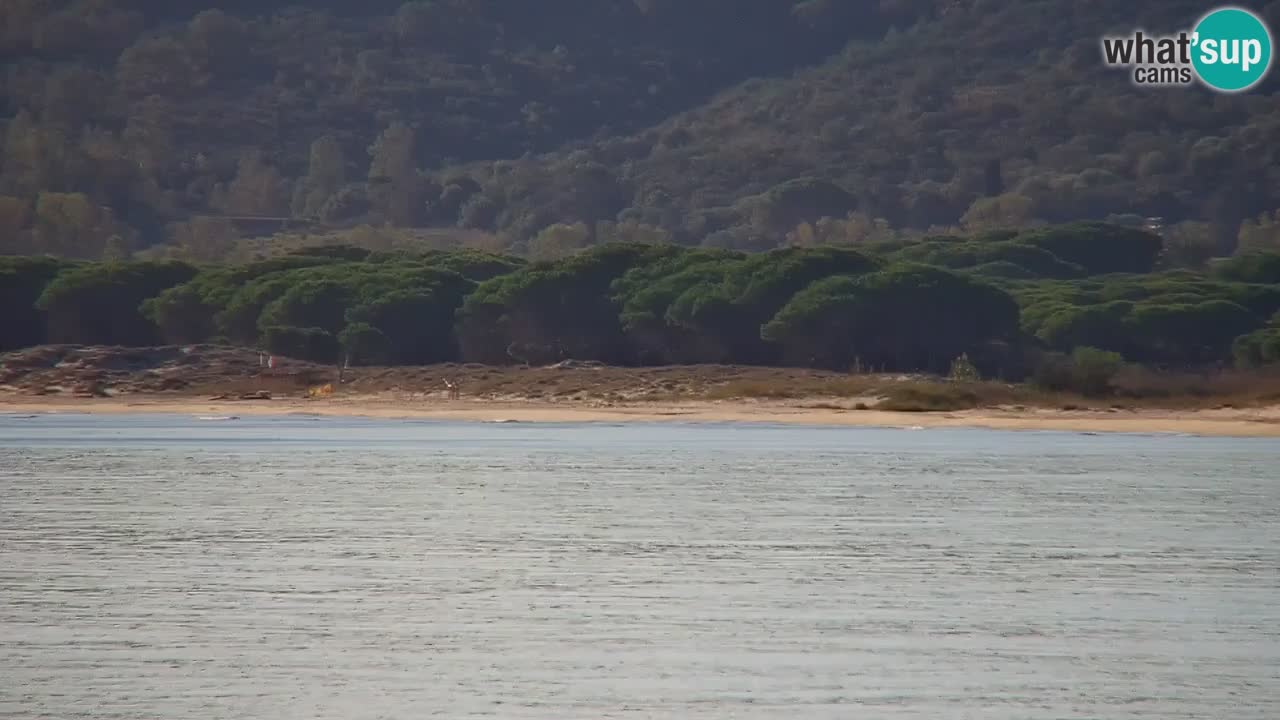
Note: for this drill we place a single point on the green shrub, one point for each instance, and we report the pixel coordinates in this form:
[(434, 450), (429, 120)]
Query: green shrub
[(1254, 267), (1094, 370), (1258, 348), (364, 344), (928, 398), (963, 370), (1088, 371)]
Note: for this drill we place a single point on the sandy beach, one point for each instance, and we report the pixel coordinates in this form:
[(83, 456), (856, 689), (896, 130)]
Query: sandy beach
[(221, 382), (1264, 422)]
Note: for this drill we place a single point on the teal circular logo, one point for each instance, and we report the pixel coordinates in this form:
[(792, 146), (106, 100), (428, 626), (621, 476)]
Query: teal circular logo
[(1231, 49)]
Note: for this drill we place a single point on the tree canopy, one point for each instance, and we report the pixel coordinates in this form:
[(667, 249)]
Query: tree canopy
[(661, 303)]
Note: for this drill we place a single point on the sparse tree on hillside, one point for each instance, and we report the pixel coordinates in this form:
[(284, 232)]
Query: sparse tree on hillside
[(72, 225), (257, 190), (1262, 234), (15, 213), (327, 174), (631, 232), (149, 137), (1189, 244), (205, 239), (559, 241), (158, 66), (37, 157), (1001, 211), (395, 187)]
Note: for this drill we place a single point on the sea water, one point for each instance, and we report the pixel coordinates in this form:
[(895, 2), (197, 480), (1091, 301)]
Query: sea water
[(301, 567)]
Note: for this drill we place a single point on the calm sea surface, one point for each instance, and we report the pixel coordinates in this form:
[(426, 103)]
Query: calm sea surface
[(168, 567)]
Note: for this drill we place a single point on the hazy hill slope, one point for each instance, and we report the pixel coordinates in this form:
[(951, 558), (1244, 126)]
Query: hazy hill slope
[(990, 99), (718, 121), (148, 107)]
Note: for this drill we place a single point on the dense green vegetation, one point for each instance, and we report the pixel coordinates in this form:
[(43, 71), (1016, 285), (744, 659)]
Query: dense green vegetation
[(560, 124), (1087, 299)]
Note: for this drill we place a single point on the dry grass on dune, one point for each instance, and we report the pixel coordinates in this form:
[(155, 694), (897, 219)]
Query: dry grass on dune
[(209, 370), (590, 381), (1218, 389), (901, 393)]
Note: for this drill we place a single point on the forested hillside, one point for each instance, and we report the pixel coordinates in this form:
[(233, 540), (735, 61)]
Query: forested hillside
[(560, 124)]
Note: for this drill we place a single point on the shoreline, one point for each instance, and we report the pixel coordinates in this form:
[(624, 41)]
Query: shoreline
[(1253, 423)]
